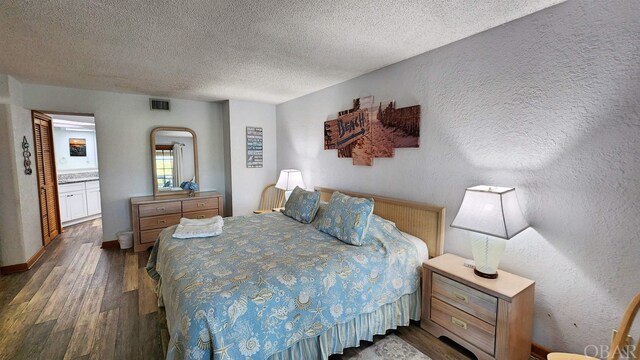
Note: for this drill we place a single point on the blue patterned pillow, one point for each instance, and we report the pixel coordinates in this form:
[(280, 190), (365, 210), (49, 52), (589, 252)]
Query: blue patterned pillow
[(347, 218), (302, 205)]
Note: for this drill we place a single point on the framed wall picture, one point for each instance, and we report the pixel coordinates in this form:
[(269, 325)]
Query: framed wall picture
[(77, 147), (372, 130), (254, 147)]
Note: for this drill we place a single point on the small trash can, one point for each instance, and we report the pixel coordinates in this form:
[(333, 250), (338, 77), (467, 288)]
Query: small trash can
[(125, 238)]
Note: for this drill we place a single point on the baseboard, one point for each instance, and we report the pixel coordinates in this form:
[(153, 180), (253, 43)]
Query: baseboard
[(110, 244), (10, 269), (539, 351), (81, 220)]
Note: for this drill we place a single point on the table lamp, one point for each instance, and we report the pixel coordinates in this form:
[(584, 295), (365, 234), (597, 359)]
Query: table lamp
[(288, 180), (493, 211)]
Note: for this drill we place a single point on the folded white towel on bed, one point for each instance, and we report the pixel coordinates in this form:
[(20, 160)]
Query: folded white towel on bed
[(196, 228)]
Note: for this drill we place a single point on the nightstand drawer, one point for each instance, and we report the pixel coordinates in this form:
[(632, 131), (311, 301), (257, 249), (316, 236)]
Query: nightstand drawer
[(469, 300), (470, 328), (159, 222)]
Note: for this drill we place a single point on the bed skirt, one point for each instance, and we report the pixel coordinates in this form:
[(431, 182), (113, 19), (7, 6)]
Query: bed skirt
[(349, 334)]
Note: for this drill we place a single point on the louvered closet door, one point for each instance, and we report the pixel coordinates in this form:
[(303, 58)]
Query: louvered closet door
[(45, 165)]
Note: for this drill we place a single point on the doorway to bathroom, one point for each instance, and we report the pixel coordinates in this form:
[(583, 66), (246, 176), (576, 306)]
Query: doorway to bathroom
[(77, 168)]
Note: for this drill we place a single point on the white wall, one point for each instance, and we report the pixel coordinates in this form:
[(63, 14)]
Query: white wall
[(11, 246), (247, 183), (20, 231), (550, 104), (123, 127), (67, 163)]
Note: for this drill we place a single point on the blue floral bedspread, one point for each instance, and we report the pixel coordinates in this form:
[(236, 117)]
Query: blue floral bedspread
[(269, 281)]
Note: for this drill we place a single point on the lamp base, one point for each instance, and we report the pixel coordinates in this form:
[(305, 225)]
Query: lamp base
[(486, 276)]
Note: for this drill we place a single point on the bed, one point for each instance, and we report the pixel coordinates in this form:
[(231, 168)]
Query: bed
[(271, 287)]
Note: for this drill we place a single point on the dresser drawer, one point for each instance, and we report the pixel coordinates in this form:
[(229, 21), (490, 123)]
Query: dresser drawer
[(173, 207), (469, 328), (159, 222), (149, 236), (200, 204), (201, 214), (463, 297)]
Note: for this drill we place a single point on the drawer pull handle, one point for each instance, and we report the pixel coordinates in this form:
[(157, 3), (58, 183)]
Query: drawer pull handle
[(459, 323), (160, 209), (161, 221), (200, 204), (460, 297)]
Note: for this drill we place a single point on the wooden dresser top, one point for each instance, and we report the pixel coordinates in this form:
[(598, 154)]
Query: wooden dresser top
[(164, 198)]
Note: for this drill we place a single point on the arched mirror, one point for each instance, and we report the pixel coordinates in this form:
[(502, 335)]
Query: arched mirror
[(174, 154)]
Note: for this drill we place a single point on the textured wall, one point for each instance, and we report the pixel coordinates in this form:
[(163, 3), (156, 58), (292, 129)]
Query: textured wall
[(247, 183), (20, 232), (11, 246), (550, 104), (30, 227), (123, 127)]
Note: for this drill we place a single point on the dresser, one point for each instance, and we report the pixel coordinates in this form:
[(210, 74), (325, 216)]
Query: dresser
[(492, 318), (151, 214)]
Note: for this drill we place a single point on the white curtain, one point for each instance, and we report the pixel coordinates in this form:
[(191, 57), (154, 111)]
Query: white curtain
[(178, 160)]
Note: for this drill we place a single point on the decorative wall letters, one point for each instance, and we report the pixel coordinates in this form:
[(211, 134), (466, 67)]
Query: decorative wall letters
[(369, 130)]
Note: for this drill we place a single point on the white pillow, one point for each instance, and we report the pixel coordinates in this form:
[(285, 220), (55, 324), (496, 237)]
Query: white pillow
[(421, 246)]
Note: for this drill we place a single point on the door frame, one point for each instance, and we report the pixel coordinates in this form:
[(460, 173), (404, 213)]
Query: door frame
[(55, 170), (55, 175)]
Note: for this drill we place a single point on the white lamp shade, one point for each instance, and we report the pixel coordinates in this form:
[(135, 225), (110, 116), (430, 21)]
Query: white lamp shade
[(289, 179), (491, 210)]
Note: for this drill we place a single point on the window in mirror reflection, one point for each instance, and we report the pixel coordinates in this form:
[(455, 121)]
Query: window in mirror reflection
[(164, 166), (175, 159)]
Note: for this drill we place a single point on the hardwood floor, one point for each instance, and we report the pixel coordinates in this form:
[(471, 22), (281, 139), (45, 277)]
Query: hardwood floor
[(83, 302)]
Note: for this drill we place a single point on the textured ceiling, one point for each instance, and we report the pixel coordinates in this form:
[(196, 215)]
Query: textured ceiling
[(269, 51)]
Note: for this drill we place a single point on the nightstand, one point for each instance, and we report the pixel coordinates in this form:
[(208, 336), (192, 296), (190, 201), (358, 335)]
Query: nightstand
[(492, 318)]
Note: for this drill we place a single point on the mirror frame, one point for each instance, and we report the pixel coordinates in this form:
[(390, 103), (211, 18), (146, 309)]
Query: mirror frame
[(155, 130)]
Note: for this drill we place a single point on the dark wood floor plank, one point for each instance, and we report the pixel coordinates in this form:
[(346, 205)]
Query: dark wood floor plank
[(39, 299), (150, 343), (113, 292), (86, 324), (9, 314), (34, 340), (56, 345), (11, 340), (33, 285), (128, 326), (101, 271), (59, 297), (104, 342), (69, 314)]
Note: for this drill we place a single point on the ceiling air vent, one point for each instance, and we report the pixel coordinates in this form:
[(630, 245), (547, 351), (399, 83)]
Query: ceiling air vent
[(158, 104)]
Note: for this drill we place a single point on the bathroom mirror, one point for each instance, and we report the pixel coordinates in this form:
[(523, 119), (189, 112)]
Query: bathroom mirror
[(174, 155)]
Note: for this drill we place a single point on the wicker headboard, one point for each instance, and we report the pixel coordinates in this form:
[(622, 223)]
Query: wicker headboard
[(421, 220)]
